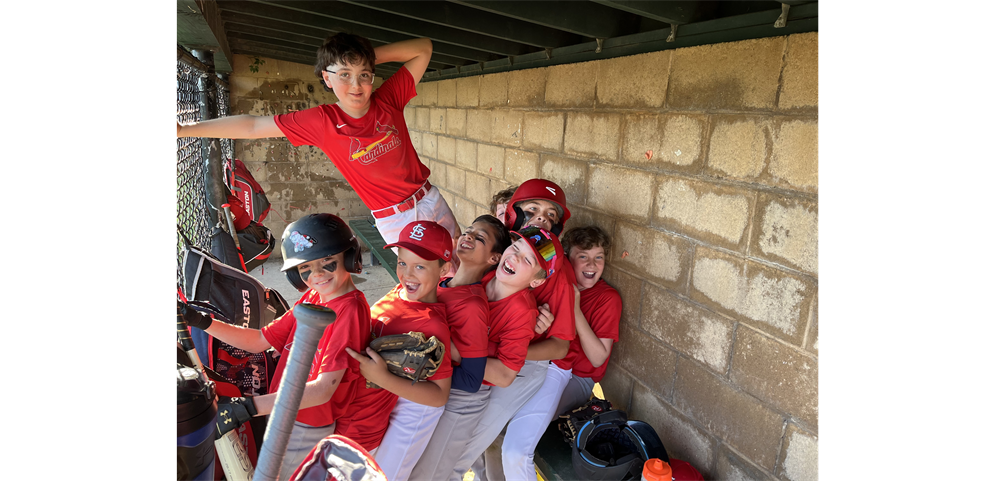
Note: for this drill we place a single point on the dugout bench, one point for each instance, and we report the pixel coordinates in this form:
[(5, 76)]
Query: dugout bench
[(368, 234)]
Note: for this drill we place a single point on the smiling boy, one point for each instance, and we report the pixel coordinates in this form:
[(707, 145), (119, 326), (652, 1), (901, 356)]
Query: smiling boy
[(319, 254), (395, 423), (364, 133)]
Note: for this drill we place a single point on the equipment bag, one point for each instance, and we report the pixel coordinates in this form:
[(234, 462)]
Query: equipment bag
[(606, 445), (257, 244), (241, 300), (250, 194)]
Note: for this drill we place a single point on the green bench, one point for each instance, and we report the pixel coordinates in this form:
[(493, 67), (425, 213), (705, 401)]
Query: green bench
[(369, 235)]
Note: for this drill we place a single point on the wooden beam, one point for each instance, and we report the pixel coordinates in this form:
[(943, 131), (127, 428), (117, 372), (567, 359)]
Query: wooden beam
[(675, 12), (582, 18)]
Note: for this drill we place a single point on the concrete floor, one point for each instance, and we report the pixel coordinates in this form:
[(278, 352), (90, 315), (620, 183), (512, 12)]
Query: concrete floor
[(374, 281)]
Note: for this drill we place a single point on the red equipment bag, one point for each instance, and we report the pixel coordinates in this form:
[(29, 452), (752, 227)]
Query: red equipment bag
[(249, 193)]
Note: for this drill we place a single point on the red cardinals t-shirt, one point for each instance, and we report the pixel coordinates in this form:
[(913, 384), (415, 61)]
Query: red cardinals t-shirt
[(510, 327), (558, 292), (365, 421), (602, 306), (466, 313), (350, 329), (374, 152)]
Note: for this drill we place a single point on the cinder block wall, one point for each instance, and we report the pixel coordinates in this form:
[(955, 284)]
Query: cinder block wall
[(702, 162)]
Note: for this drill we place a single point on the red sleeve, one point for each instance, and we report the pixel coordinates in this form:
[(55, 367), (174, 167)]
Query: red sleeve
[(468, 326), (305, 127), (560, 297), (516, 331), (605, 314), (346, 331), (398, 90), (277, 333), (440, 330)]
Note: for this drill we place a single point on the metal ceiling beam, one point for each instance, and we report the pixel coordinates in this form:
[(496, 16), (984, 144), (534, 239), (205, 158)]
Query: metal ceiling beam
[(304, 56), (399, 24), (321, 27), (675, 12), (582, 18), (477, 21)]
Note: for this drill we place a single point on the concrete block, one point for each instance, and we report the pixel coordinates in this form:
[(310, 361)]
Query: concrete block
[(456, 180), (416, 138), (800, 80), (429, 146), (736, 75), (527, 88), (691, 330), (437, 121), (646, 359), (712, 213), (456, 122), (739, 146), (794, 163), (468, 91), (637, 81), (572, 85), (657, 257), (761, 296), (680, 435), (782, 375), (624, 192), (447, 149), (593, 135), (447, 93), (490, 161), (733, 466), (507, 127), (417, 100), (628, 286), (543, 131), (464, 211), (787, 232), (569, 174), (243, 87), (617, 386), (466, 155), (411, 117), (319, 170), (733, 416), (439, 176), (812, 340), (481, 210), (478, 188), (670, 141), (799, 456), (479, 124), (428, 92), (520, 166), (494, 89)]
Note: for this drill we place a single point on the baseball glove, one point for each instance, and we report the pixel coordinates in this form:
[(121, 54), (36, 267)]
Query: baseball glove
[(410, 355), (571, 422)]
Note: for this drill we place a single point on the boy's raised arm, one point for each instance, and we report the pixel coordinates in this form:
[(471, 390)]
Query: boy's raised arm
[(415, 54), (232, 127)]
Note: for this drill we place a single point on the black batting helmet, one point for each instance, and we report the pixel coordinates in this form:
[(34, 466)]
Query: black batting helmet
[(314, 237), (610, 447)]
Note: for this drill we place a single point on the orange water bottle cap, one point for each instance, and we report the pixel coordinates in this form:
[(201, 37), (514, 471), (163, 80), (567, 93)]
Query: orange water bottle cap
[(656, 470)]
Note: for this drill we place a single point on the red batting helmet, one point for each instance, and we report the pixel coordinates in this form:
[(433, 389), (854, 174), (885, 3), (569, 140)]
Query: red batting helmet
[(543, 189)]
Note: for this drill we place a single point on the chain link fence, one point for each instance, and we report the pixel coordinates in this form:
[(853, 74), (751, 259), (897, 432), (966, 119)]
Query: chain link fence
[(193, 217)]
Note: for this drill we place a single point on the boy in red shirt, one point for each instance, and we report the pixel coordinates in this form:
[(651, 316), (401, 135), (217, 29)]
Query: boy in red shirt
[(364, 133), (395, 423), (520, 378), (319, 253), (597, 312)]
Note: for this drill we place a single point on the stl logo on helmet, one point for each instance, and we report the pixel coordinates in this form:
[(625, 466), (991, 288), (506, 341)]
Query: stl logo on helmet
[(301, 241), (417, 232)]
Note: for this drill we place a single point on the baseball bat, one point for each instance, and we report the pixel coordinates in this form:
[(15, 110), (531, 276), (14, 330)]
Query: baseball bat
[(311, 323)]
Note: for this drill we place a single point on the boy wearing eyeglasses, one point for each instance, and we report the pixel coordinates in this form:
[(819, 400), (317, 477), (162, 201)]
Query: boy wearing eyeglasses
[(364, 133)]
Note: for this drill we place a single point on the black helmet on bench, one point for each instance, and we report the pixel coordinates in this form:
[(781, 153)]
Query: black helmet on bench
[(314, 237)]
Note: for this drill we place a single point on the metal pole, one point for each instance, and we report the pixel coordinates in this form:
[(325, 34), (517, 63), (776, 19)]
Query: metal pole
[(211, 148)]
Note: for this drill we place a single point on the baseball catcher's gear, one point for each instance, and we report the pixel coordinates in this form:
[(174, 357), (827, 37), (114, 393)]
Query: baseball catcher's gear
[(515, 218), (610, 447), (410, 355), (314, 237)]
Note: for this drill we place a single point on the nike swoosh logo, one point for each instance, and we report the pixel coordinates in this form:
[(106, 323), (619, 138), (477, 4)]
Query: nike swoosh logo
[(339, 126)]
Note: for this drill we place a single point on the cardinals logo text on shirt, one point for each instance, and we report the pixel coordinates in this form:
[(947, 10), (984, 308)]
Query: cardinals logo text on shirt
[(367, 154)]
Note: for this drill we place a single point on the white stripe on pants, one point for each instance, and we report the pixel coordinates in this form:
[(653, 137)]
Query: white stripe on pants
[(411, 426)]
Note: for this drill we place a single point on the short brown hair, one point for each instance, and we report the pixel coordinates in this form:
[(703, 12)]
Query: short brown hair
[(586, 238), (502, 197), (503, 238), (344, 48)]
